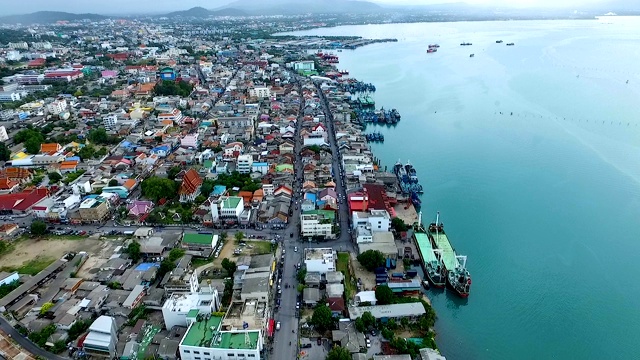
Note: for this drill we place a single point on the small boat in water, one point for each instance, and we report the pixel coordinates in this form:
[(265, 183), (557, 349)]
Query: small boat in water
[(431, 50), (510, 44), (466, 44), (472, 55), (498, 41)]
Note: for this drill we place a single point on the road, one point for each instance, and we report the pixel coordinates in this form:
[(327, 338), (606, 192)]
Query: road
[(26, 343)]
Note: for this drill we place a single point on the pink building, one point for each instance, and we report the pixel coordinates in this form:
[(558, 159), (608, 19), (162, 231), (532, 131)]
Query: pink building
[(109, 74)]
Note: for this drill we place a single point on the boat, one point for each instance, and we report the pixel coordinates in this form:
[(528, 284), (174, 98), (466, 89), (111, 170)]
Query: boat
[(458, 277), (466, 44), (425, 283), (498, 41), (431, 258), (431, 50), (415, 200), (510, 44), (411, 172), (400, 172), (434, 46), (472, 55)]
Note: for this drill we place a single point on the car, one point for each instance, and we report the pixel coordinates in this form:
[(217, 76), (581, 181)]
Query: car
[(368, 345), (295, 249), (278, 325), (297, 305)]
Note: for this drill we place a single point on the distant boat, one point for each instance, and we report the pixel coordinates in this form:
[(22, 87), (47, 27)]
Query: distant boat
[(433, 46), (431, 50), (465, 44), (471, 55), (498, 41), (510, 44)]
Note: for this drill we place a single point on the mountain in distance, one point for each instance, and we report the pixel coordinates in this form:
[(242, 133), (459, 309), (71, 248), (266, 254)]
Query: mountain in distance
[(292, 7), (200, 12), (46, 17)]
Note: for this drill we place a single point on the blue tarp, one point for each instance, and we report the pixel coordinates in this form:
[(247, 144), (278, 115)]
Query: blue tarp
[(146, 266)]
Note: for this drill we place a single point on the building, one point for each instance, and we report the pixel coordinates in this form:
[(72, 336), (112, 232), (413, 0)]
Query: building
[(199, 242), (317, 223), (174, 115), (207, 339), (430, 354), (244, 164), (385, 312), (189, 141), (305, 65), (102, 338), (135, 297), (8, 278), (320, 260), (190, 187), (261, 92), (180, 307), (228, 208), (373, 220), (383, 242), (94, 209), (57, 106)]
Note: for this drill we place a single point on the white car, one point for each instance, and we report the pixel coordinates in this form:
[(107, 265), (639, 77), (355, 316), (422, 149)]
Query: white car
[(298, 305), (295, 249), (278, 325)]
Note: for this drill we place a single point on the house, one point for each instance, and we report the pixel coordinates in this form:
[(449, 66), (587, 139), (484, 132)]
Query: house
[(102, 338), (320, 260), (199, 242), (161, 150), (190, 186), (8, 186), (286, 147), (22, 202), (7, 230), (139, 209), (50, 148), (94, 209)]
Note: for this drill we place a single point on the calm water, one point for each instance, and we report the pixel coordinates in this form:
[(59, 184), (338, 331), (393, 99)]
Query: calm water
[(530, 153)]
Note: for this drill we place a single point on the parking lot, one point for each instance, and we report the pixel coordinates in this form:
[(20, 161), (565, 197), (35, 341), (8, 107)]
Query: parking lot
[(315, 352)]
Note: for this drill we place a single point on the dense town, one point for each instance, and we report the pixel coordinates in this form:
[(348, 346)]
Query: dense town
[(199, 191)]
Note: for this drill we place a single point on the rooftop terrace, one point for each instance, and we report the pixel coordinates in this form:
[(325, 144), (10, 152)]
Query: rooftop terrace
[(206, 333)]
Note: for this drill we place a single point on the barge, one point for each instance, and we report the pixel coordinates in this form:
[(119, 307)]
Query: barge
[(458, 277), (433, 268)]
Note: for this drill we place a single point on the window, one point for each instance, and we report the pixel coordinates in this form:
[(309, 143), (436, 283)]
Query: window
[(206, 353), (187, 351), (197, 357), (196, 352), (251, 355), (230, 354)]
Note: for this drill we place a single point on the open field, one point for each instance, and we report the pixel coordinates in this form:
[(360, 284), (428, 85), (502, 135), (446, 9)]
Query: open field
[(343, 266), (29, 256)]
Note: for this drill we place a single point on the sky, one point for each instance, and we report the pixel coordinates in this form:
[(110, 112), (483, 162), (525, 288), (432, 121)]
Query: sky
[(158, 6)]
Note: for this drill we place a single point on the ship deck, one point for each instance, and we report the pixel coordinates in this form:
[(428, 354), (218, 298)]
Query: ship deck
[(425, 247), (448, 255)]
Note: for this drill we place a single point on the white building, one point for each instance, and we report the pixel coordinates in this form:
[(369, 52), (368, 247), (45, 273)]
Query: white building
[(320, 260), (315, 223), (229, 208), (262, 92), (244, 164), (189, 141), (110, 121), (102, 338), (306, 65), (174, 115), (13, 55), (57, 106), (6, 278), (374, 220), (180, 306), (207, 339)]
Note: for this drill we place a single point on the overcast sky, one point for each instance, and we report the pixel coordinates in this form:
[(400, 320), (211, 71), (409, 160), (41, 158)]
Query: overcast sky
[(155, 6)]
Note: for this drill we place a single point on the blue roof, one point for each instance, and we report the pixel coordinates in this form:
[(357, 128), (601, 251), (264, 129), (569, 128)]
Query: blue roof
[(126, 144), (219, 190), (161, 147), (73, 158), (146, 266), (310, 196)]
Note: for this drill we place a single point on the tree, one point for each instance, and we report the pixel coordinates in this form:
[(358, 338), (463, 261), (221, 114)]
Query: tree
[(134, 251), (239, 236), (176, 254), (384, 295), (171, 174), (45, 307), (398, 224), (38, 228), (368, 320), (5, 153), (360, 325), (322, 318), (32, 145), (229, 266), (78, 93), (98, 136), (113, 182), (54, 177), (156, 188), (302, 273), (338, 353), (371, 259)]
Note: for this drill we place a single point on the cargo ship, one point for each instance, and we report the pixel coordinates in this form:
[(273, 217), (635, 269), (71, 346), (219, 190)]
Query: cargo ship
[(431, 258), (458, 277)]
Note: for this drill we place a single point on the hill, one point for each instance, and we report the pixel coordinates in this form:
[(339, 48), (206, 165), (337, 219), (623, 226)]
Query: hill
[(291, 7), (200, 12), (47, 17)]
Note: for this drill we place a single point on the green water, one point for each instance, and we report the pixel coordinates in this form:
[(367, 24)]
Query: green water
[(544, 199)]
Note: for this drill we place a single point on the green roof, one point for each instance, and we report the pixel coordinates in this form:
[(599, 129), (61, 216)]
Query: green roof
[(231, 202), (327, 214), (193, 313), (425, 247), (448, 255), (200, 334), (199, 239)]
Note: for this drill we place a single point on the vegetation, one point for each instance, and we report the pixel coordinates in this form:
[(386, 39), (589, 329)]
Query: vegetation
[(239, 236), (322, 318), (31, 139), (71, 177), (338, 353), (227, 293), (171, 174), (133, 250), (398, 224), (302, 273), (343, 267), (40, 337), (139, 312), (169, 263), (156, 188), (45, 307), (365, 322), (90, 152), (384, 295), (5, 289), (5, 153), (38, 228), (54, 177), (167, 87), (371, 259), (235, 179), (229, 266), (100, 136)]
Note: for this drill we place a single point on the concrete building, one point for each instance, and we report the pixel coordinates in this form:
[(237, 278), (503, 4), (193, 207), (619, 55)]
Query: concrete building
[(317, 223), (320, 260), (385, 312), (94, 209), (373, 220), (57, 106), (261, 92), (179, 307), (228, 208), (102, 338), (135, 297), (430, 354), (244, 164)]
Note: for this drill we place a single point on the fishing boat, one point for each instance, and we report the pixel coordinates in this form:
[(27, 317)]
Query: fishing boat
[(411, 172), (510, 44), (471, 55), (498, 41), (458, 277), (466, 44), (431, 258), (400, 172), (431, 50), (434, 46), (415, 200)]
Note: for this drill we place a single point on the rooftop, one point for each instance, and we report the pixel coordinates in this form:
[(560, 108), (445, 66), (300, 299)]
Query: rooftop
[(318, 254), (206, 333), (197, 239)]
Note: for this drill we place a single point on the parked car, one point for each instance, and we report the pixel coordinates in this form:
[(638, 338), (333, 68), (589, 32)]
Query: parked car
[(278, 325)]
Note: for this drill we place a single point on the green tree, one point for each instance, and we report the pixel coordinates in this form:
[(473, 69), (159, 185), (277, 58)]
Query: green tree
[(45, 307), (54, 177), (302, 273), (32, 145), (371, 259), (38, 228), (5, 153), (384, 295), (98, 136), (229, 266), (368, 320), (171, 174), (360, 325), (322, 318), (176, 254), (78, 93), (156, 188), (398, 224), (338, 353), (113, 182), (134, 251), (239, 236)]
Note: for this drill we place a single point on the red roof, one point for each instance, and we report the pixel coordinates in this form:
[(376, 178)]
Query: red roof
[(191, 181), (23, 201)]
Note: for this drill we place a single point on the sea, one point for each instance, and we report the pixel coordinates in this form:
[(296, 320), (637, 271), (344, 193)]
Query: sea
[(531, 154)]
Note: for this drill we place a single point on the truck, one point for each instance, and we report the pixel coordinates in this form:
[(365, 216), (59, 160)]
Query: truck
[(129, 232)]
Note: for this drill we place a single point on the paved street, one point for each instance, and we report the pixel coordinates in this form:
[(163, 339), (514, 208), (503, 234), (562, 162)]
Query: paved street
[(26, 343)]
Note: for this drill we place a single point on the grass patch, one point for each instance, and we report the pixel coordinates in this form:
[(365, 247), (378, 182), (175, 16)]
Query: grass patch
[(33, 266), (260, 247), (343, 266), (197, 262)]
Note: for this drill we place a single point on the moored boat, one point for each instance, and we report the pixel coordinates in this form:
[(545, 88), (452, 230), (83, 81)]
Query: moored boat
[(458, 277), (431, 259)]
